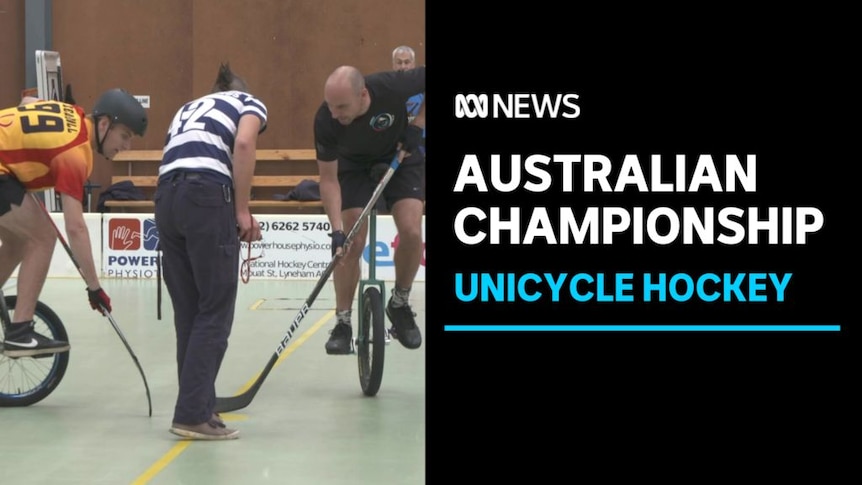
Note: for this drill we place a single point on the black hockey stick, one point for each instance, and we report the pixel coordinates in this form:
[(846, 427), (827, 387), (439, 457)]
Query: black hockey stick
[(104, 310), (225, 404)]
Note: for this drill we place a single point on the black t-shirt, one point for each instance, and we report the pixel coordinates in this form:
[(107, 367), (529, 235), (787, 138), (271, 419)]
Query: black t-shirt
[(372, 137)]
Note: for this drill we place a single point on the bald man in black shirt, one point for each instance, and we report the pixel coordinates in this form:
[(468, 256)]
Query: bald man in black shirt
[(362, 123)]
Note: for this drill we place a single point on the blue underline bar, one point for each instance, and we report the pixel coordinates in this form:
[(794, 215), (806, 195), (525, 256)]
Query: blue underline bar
[(642, 328)]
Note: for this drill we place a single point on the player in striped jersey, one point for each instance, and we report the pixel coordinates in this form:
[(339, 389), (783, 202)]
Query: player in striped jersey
[(202, 214), (43, 145)]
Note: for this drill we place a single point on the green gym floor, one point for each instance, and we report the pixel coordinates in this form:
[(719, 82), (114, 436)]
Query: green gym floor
[(310, 423)]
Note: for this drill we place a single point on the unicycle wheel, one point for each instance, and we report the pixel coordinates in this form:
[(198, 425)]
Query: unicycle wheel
[(371, 341), (28, 380)]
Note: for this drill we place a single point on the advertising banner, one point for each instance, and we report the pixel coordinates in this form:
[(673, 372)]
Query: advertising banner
[(294, 247)]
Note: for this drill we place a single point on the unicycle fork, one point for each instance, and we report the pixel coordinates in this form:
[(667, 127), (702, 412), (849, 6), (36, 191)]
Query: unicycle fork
[(372, 336)]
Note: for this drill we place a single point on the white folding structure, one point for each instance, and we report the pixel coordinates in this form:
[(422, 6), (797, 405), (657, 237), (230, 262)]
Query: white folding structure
[(49, 83)]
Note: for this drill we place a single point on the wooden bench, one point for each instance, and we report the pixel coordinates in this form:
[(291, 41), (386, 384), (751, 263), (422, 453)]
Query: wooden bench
[(141, 168)]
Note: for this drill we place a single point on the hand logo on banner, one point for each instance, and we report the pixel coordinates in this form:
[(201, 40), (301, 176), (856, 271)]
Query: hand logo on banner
[(123, 237)]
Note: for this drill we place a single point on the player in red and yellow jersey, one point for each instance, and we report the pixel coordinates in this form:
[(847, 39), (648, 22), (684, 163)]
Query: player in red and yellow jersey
[(43, 145)]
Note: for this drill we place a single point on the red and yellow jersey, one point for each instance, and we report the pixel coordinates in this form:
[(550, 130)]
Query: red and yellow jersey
[(47, 145)]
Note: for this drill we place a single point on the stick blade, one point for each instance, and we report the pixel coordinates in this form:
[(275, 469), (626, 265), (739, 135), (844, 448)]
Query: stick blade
[(149, 398), (227, 404)]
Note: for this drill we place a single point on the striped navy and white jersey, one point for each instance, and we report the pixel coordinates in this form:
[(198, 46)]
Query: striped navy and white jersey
[(202, 133)]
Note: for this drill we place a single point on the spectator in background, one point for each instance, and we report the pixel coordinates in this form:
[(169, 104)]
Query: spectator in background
[(404, 58)]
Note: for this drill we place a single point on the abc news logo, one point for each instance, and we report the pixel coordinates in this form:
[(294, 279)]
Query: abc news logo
[(516, 105)]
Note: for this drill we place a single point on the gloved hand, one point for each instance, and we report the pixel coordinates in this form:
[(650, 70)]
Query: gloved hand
[(338, 238), (411, 139), (98, 298)]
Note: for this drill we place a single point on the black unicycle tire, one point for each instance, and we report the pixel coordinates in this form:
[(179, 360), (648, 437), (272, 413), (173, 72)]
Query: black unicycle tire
[(28, 380), (371, 341)]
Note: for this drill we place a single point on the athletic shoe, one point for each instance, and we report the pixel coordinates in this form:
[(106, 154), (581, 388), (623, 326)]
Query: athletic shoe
[(340, 340), (217, 420), (23, 341), (404, 325), (210, 431)]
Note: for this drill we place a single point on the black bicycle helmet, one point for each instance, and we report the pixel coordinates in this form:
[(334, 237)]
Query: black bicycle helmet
[(123, 108)]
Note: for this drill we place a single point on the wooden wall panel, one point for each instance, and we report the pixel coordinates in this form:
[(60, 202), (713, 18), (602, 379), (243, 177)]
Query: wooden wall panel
[(12, 59), (171, 50), (141, 46), (286, 49)]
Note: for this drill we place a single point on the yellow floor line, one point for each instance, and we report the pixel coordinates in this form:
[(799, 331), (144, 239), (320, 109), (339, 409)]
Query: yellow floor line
[(162, 462), (181, 446)]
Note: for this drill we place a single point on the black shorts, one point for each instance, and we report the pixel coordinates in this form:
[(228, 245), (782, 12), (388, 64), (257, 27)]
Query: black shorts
[(12, 191), (407, 182)]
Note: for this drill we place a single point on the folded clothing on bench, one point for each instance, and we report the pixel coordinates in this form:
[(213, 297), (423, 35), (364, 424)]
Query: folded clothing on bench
[(306, 190), (124, 190)]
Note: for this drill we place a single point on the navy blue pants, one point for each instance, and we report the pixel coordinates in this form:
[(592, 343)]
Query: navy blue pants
[(196, 221)]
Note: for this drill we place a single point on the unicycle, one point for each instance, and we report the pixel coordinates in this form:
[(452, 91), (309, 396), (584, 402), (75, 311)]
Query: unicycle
[(28, 380), (372, 335)]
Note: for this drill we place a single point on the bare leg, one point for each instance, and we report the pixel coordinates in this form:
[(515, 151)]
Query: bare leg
[(407, 214), (32, 243), (11, 253), (346, 273)]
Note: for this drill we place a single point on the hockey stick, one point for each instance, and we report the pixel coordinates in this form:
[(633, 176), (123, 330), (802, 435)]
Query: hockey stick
[(159, 284), (104, 310), (225, 404)]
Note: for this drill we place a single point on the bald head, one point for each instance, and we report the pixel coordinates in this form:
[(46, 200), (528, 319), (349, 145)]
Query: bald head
[(345, 94), (345, 78)]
